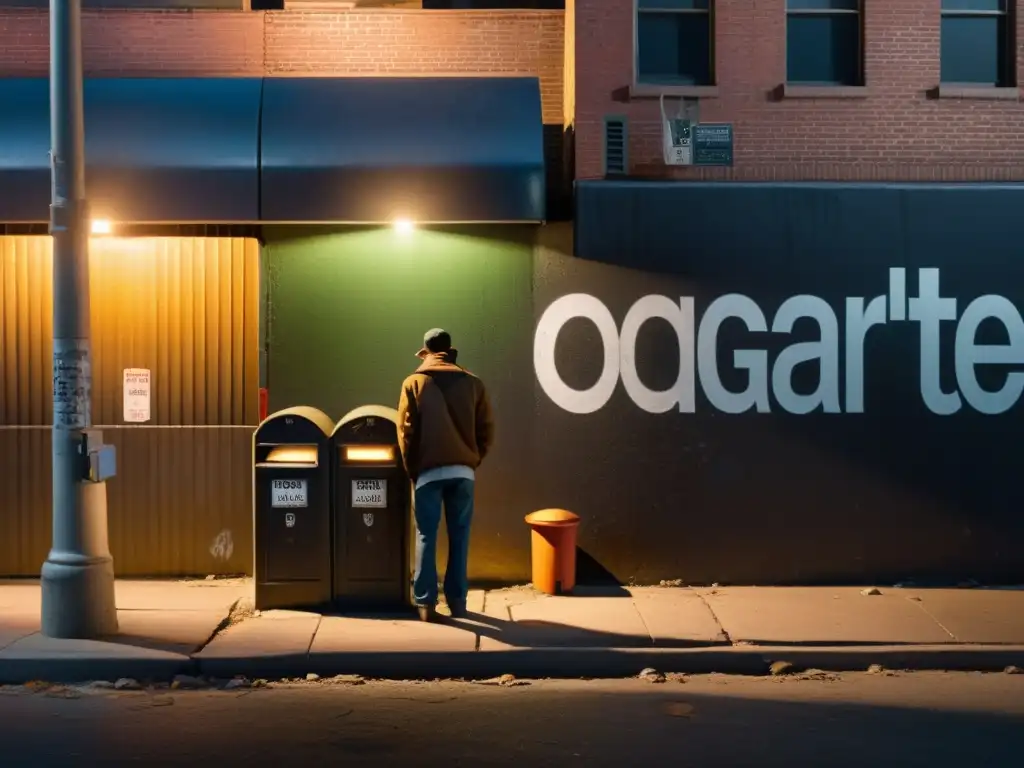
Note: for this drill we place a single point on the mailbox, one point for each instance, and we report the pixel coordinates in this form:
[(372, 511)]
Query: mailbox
[(372, 513), (292, 509)]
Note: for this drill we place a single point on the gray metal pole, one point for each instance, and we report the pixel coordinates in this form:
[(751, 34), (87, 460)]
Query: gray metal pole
[(78, 575)]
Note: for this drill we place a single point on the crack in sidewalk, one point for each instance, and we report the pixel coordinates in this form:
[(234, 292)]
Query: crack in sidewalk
[(920, 604), (309, 648), (239, 611), (721, 627)]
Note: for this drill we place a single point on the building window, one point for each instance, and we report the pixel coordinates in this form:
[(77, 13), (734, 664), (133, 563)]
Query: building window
[(977, 43), (823, 42), (674, 42)]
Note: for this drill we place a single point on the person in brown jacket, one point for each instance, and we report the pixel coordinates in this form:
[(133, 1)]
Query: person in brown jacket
[(445, 430)]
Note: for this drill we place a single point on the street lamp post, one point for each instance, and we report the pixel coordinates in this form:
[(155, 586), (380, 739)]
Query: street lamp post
[(78, 575)]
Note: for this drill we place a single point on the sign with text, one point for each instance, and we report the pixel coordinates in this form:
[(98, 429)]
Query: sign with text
[(138, 386), (712, 144)]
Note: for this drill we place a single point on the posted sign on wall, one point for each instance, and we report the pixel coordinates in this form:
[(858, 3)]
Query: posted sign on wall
[(137, 390)]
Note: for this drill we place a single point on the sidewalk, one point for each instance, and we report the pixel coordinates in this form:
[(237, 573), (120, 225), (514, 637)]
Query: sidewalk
[(203, 628)]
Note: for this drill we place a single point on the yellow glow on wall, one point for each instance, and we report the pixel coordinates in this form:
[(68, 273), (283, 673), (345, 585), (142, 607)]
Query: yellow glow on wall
[(369, 453), (101, 227)]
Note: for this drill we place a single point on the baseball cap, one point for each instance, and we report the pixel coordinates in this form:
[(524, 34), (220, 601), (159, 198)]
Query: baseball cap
[(435, 340)]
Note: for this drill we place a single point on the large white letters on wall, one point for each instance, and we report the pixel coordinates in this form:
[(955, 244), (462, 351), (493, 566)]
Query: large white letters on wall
[(698, 351)]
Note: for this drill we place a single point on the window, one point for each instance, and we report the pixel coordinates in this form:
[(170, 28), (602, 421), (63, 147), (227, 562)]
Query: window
[(823, 42), (977, 43), (674, 42)]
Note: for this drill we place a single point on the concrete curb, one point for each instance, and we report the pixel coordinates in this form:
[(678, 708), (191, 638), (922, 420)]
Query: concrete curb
[(73, 668), (523, 663), (614, 662)]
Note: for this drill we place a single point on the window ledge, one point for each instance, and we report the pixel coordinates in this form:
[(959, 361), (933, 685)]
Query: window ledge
[(984, 92), (824, 91), (650, 91)]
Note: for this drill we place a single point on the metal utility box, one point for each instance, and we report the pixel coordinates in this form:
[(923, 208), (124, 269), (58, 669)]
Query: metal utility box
[(291, 479), (372, 512)]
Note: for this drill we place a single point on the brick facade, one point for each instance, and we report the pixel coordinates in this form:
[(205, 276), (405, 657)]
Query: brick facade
[(229, 43), (895, 130)]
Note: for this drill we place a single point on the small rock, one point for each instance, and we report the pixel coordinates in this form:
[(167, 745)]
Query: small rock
[(1013, 670), (671, 583), (312, 677), (238, 682), (210, 577), (876, 669), (98, 685), (914, 598), (652, 675), (62, 692), (505, 681), (37, 685), (819, 674), (781, 668), (259, 683), (676, 677), (871, 591), (187, 682), (127, 684), (347, 680)]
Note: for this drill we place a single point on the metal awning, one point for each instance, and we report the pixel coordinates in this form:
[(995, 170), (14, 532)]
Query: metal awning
[(158, 150), (431, 149)]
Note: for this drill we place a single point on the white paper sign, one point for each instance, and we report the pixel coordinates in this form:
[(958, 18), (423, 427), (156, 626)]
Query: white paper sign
[(137, 388)]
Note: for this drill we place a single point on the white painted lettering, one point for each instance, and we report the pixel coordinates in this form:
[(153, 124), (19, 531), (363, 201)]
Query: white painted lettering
[(969, 354), (755, 361), (551, 322), (680, 316), (825, 351), (930, 309), (698, 340), (858, 321)]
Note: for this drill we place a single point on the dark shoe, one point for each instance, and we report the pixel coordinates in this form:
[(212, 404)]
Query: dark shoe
[(458, 610), (427, 612)]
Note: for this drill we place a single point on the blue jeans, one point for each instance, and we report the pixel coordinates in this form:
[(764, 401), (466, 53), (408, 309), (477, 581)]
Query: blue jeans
[(457, 497)]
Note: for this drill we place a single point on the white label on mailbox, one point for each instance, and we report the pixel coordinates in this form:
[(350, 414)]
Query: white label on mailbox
[(288, 493), (370, 493)]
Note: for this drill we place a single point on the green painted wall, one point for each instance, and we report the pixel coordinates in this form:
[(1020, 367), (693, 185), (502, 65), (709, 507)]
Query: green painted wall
[(347, 312)]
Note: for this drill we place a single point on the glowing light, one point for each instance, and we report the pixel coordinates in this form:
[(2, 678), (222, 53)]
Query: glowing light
[(404, 226), (101, 227), (293, 454), (369, 453)]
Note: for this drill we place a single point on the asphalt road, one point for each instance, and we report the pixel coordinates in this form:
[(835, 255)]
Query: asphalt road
[(923, 719)]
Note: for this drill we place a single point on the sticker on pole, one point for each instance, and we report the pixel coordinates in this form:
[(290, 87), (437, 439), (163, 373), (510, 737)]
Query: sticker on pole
[(138, 387), (288, 494), (372, 494)]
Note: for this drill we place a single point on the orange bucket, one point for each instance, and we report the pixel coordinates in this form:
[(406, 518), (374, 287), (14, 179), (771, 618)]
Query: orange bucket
[(553, 549)]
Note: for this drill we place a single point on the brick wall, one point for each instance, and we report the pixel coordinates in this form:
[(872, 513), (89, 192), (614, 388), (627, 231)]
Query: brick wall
[(226, 43), (898, 131)]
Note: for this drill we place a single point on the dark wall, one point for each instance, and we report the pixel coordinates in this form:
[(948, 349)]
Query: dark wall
[(898, 490)]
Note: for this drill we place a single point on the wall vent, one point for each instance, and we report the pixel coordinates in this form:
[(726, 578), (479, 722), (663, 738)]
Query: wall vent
[(616, 146)]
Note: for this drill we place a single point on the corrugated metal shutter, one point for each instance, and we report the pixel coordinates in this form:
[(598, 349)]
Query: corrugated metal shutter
[(188, 310), (185, 308)]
